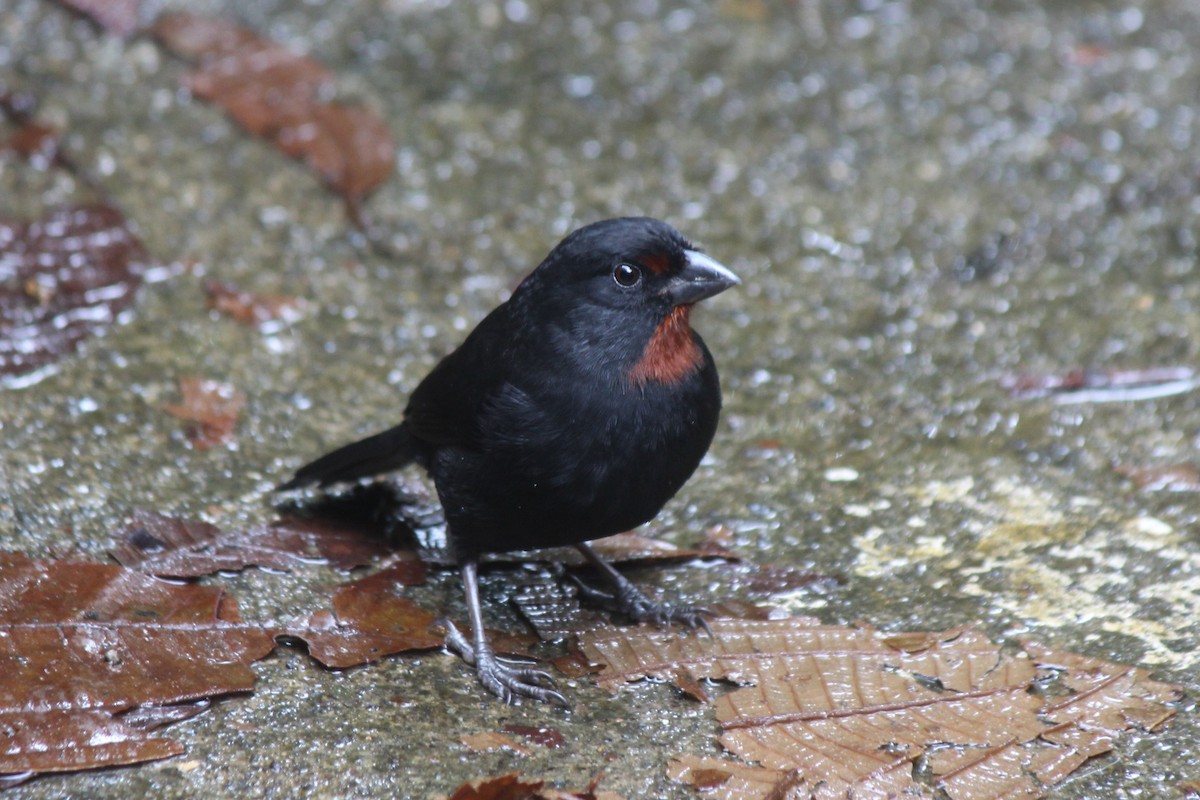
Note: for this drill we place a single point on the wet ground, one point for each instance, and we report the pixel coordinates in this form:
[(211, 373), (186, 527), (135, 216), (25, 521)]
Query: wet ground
[(920, 198)]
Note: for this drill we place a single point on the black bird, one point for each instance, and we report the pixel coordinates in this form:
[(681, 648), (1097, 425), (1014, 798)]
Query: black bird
[(573, 411)]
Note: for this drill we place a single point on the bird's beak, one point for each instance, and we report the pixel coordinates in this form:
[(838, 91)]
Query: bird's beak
[(701, 277)]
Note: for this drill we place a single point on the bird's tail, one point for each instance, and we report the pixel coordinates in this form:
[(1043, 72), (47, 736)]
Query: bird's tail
[(385, 451)]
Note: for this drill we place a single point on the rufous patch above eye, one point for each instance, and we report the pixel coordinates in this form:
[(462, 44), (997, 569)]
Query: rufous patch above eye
[(657, 262)]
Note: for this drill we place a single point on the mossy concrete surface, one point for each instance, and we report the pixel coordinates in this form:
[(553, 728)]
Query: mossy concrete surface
[(921, 198)]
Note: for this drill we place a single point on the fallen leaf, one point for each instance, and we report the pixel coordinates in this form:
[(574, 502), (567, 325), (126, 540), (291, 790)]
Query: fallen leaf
[(1166, 478), (212, 405), (765, 581), (1088, 54), (63, 279), (504, 787), (546, 737), (552, 607), (36, 143), (739, 648), (149, 718), (575, 664), (172, 547), (280, 95), (832, 712), (1106, 696), (489, 741), (265, 311), (349, 146), (119, 17), (513, 787), (729, 780), (369, 620), (97, 656)]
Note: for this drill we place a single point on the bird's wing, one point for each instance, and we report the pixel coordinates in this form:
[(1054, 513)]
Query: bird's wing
[(445, 409)]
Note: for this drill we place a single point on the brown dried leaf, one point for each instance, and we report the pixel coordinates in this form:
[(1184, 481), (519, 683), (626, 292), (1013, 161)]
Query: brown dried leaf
[(267, 311), (149, 718), (1166, 478), (177, 548), (575, 664), (349, 146), (1076, 746), (739, 650), (504, 787), (771, 580), (488, 741), (343, 545), (63, 279), (1015, 769), (552, 607), (744, 609), (35, 143), (278, 94), (212, 405), (84, 642), (849, 710), (987, 773), (512, 787), (1107, 696), (369, 620), (119, 17), (729, 780), (546, 737), (194, 37)]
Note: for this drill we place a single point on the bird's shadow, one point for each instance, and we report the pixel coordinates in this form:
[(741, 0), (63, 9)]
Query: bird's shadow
[(381, 510)]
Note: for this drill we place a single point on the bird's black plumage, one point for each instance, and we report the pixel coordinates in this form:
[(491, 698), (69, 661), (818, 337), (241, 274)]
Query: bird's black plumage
[(573, 411)]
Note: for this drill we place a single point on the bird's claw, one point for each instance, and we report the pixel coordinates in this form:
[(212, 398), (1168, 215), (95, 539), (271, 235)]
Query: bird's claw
[(507, 678), (629, 600)]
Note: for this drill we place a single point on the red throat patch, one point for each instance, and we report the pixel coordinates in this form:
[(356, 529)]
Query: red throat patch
[(672, 352)]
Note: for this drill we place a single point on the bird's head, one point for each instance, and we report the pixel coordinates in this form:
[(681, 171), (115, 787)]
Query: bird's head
[(620, 290)]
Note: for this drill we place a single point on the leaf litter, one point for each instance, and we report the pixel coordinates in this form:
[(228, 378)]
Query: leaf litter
[(1163, 478), (268, 312), (821, 710), (118, 17), (829, 711), (172, 547), (212, 406), (512, 786), (63, 278), (84, 642), (282, 96), (97, 656)]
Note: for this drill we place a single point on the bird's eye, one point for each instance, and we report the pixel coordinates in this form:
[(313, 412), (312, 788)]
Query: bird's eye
[(627, 275)]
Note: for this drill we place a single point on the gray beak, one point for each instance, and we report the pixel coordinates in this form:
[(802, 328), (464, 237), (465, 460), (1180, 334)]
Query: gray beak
[(701, 278)]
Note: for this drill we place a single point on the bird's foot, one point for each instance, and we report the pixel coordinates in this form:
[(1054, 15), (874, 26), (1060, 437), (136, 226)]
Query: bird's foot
[(507, 678), (627, 599)]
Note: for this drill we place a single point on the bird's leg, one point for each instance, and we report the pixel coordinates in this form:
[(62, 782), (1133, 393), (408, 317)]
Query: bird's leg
[(628, 599), (507, 680)]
